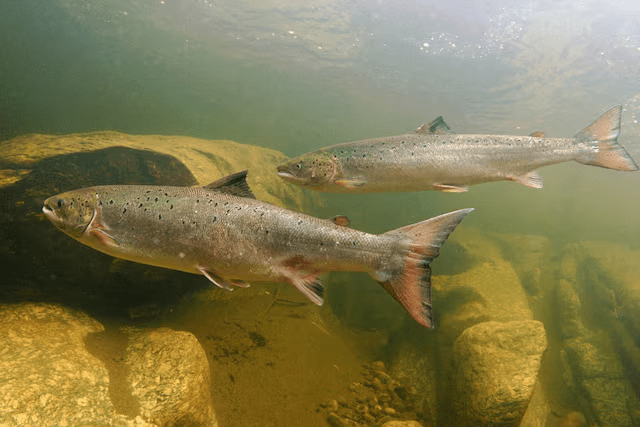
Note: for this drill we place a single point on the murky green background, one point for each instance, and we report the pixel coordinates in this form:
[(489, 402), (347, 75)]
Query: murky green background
[(294, 76)]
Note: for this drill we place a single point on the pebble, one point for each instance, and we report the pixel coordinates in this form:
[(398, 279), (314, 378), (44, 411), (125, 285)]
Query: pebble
[(369, 419), (378, 365), (389, 411)]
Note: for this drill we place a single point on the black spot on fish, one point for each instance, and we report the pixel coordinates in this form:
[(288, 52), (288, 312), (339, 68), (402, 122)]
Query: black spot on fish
[(171, 207), (156, 199), (166, 194), (140, 205), (354, 243), (183, 222), (226, 203), (110, 202), (100, 203), (216, 204), (299, 222), (159, 216), (197, 200), (124, 211), (215, 218), (364, 155), (401, 142), (266, 231), (321, 244)]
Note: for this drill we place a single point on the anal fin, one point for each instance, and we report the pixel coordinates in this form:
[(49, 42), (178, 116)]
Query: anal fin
[(311, 287), (305, 282)]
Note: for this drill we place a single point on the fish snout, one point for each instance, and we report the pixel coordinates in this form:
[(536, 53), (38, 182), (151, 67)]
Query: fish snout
[(284, 172)]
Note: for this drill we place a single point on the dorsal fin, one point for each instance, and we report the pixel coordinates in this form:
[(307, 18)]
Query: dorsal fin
[(234, 184), (537, 134), (435, 127)]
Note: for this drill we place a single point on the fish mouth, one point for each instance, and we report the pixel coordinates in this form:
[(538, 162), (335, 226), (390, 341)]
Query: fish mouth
[(284, 174), (48, 212)]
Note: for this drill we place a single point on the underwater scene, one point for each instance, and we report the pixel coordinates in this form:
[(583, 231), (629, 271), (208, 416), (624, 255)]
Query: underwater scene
[(274, 213)]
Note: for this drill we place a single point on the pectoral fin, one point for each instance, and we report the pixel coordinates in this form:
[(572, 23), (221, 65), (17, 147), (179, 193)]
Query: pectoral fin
[(530, 179), (450, 188), (103, 237), (351, 182)]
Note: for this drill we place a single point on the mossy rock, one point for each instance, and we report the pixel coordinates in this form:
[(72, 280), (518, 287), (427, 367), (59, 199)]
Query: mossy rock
[(40, 263)]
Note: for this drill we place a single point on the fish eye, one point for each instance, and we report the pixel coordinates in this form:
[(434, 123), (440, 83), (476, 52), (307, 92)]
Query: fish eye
[(298, 165), (60, 203)]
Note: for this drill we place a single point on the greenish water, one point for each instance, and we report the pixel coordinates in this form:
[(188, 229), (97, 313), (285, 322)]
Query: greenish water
[(295, 76)]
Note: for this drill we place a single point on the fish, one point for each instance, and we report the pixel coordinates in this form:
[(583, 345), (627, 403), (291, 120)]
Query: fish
[(221, 231), (434, 158)]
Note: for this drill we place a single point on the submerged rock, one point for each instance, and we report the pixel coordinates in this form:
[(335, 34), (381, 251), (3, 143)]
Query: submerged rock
[(489, 290), (169, 377), (402, 424), (54, 372), (47, 377), (596, 304), (40, 263), (497, 366)]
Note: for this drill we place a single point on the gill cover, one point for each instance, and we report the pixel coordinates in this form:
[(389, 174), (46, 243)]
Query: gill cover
[(71, 214)]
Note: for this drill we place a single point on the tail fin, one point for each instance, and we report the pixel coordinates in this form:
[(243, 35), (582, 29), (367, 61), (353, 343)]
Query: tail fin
[(603, 134), (411, 285)]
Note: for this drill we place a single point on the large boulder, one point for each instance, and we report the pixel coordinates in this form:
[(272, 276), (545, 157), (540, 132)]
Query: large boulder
[(169, 377), (496, 367), (596, 304), (58, 368), (489, 290), (40, 263), (477, 286)]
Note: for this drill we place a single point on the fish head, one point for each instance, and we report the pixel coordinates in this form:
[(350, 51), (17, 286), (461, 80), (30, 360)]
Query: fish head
[(72, 212), (312, 169)]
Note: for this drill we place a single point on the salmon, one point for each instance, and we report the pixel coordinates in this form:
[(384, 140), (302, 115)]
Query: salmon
[(434, 158), (223, 233)]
